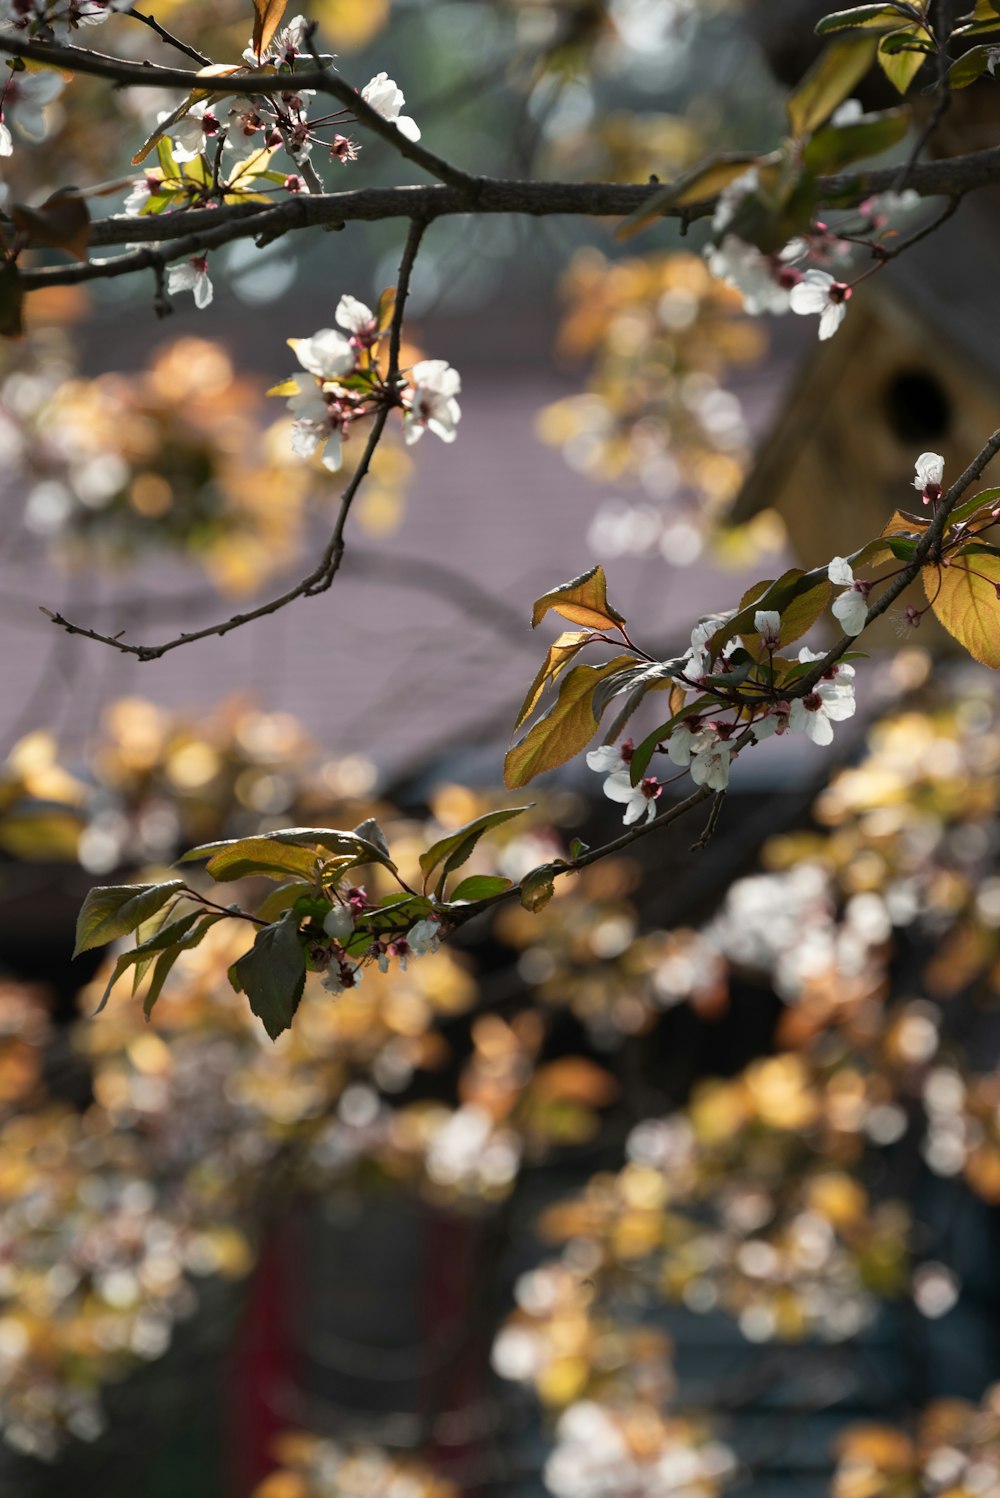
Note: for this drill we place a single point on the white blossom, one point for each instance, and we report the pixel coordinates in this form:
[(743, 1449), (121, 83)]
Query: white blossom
[(188, 135), (339, 923), (192, 276), (930, 473), (326, 354), (639, 800), (424, 937), (710, 765), (767, 623), (685, 741), (341, 975), (433, 404), (771, 723), (752, 273), (851, 607), (610, 758), (731, 197), (25, 99), (818, 292), (830, 701), (139, 196), (387, 100), (354, 315), (848, 113)]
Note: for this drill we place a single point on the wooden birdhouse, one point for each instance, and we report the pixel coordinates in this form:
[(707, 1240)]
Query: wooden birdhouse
[(914, 367)]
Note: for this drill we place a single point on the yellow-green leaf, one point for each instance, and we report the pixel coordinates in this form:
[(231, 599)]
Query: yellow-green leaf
[(964, 595), (704, 181), (901, 66), (560, 653), (867, 17), (113, 910), (267, 16), (565, 729), (452, 851), (830, 80), (583, 600)]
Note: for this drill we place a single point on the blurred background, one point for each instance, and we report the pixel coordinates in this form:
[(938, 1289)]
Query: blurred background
[(685, 1184)]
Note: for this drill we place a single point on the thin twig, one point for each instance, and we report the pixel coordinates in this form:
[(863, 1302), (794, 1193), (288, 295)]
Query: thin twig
[(169, 38), (593, 855)]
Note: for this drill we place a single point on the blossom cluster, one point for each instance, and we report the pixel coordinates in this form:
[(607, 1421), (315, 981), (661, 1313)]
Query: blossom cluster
[(706, 746), (806, 276), (56, 20), (347, 384)]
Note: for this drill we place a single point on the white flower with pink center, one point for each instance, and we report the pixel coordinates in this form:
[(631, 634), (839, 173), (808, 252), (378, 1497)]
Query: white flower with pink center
[(432, 403), (929, 476), (192, 276), (639, 800), (851, 607), (818, 292)]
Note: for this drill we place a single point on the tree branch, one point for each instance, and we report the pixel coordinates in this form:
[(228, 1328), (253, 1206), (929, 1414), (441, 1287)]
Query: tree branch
[(322, 575), (194, 231)]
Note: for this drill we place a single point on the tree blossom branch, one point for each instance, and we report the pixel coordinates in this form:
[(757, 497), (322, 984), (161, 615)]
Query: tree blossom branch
[(241, 81), (927, 551), (593, 855), (322, 575)]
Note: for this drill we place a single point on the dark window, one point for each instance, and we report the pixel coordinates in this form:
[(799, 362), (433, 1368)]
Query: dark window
[(917, 406)]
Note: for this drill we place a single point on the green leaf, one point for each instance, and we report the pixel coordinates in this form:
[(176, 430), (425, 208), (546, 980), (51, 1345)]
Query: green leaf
[(452, 851), (799, 597), (328, 838), (837, 146), (963, 595), (273, 974), (970, 66), (902, 548), (480, 887), (868, 17), (560, 653), (565, 729), (372, 836), (898, 64), (538, 887), (284, 897), (583, 600), (142, 954), (986, 499), (113, 910), (260, 856), (829, 81), (169, 956)]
